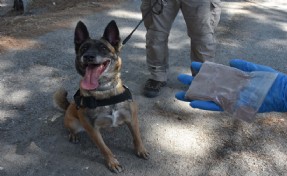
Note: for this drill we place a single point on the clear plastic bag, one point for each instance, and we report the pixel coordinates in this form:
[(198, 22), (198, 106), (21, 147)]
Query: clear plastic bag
[(239, 93)]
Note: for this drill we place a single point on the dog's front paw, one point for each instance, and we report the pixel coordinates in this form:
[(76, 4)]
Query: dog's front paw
[(74, 138), (142, 153), (114, 165)]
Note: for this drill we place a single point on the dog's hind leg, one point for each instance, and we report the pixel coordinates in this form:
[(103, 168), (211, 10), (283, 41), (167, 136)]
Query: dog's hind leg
[(134, 128)]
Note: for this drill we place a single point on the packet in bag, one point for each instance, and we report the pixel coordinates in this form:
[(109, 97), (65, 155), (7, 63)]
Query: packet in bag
[(238, 93)]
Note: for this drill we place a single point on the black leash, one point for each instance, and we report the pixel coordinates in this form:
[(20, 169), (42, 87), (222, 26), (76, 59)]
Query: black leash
[(159, 2)]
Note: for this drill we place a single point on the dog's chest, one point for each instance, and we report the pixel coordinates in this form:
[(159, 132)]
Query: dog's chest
[(108, 116)]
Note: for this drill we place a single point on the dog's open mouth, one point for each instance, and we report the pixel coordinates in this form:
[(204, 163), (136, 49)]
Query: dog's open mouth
[(93, 72)]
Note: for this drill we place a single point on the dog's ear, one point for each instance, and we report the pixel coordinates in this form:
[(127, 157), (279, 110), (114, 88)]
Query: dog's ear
[(81, 35), (112, 35)]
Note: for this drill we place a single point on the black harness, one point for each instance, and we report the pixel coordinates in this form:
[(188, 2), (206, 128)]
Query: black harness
[(91, 102)]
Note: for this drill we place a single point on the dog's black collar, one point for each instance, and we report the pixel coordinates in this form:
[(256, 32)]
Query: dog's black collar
[(91, 102)]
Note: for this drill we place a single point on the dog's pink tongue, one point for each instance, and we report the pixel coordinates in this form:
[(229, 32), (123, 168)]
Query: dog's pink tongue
[(91, 79)]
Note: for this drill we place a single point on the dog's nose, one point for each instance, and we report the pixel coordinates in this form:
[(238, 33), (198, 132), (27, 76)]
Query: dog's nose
[(89, 58)]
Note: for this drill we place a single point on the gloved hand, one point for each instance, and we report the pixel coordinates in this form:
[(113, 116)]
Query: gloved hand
[(275, 100)]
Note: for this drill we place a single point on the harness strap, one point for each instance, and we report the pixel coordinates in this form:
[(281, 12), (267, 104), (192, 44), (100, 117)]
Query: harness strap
[(91, 102)]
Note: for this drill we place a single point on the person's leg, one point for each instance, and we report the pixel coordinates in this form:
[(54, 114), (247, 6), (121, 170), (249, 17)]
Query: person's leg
[(202, 17), (158, 27)]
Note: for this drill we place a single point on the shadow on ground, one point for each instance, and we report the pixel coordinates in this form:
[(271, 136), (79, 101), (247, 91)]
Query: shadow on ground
[(181, 140)]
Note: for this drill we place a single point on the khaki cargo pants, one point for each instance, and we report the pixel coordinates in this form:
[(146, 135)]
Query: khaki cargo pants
[(201, 18)]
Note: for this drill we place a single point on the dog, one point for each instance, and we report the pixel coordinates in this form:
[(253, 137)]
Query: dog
[(102, 100)]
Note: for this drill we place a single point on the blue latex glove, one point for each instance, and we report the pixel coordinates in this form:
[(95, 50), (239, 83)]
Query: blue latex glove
[(275, 100)]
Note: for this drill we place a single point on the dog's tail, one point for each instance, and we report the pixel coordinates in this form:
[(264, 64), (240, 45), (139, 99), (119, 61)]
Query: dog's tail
[(60, 99)]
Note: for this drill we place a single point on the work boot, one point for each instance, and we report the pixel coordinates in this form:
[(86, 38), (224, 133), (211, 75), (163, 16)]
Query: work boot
[(152, 88)]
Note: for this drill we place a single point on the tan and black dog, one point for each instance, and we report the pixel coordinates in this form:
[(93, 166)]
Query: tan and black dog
[(102, 100)]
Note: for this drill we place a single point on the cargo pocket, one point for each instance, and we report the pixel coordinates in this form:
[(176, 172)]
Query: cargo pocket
[(145, 7), (215, 8)]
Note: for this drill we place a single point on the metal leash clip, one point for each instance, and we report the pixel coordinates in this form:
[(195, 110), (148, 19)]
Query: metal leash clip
[(164, 2), (156, 8)]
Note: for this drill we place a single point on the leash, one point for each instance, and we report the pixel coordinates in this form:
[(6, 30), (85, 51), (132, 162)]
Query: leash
[(161, 3)]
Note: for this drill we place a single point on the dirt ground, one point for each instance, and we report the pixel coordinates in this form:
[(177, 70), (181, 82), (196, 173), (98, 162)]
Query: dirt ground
[(38, 57), (44, 16)]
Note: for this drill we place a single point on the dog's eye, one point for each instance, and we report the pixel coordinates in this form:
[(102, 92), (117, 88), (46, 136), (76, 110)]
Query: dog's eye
[(103, 48), (84, 48)]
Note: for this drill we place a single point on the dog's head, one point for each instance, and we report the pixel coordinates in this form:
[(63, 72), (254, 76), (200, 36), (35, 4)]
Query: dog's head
[(97, 60)]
